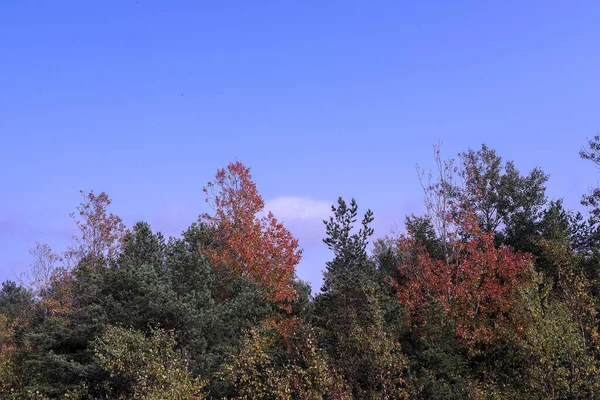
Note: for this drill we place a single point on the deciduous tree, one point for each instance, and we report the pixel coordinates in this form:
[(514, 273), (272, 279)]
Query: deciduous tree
[(146, 367), (475, 284), (258, 248), (100, 233)]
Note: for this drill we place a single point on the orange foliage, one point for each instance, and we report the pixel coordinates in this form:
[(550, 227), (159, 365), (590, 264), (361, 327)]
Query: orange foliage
[(59, 299), (258, 248)]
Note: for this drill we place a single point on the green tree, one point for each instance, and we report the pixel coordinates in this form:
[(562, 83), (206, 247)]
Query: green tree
[(268, 366), (143, 367), (217, 305), (505, 201), (351, 261), (351, 311), (15, 301), (554, 361)]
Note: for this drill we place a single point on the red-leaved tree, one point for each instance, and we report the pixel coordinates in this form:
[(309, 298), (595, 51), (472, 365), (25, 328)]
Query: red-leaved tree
[(476, 288), (470, 281), (246, 244)]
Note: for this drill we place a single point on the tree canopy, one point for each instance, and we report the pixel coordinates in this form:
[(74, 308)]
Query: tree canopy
[(493, 292)]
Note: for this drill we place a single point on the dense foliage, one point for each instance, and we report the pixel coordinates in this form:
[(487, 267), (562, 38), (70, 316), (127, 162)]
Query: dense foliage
[(492, 293)]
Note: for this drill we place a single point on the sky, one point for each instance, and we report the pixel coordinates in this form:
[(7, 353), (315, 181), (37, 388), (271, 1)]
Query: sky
[(145, 100)]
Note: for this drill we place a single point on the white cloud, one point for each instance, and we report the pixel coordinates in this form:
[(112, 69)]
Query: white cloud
[(299, 208)]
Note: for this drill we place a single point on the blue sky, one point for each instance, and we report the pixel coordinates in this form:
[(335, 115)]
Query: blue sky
[(146, 99)]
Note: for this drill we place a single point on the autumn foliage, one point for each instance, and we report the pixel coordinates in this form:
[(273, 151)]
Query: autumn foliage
[(256, 247), (471, 280), (492, 293), (476, 287)]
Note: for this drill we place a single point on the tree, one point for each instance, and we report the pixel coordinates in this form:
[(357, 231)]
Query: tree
[(145, 367), (16, 312), (100, 239), (257, 248), (43, 269), (505, 201), (49, 280), (474, 283), (350, 251), (592, 153), (131, 290), (135, 290), (554, 359), (100, 234), (11, 371), (266, 368), (349, 280), (350, 311), (476, 288), (216, 306), (15, 301), (591, 200)]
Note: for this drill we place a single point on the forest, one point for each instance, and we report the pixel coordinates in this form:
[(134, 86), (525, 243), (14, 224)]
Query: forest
[(492, 293)]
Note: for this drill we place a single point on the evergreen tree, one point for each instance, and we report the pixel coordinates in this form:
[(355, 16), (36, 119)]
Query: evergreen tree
[(350, 312)]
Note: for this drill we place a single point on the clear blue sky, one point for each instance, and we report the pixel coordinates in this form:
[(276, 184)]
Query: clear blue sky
[(146, 99)]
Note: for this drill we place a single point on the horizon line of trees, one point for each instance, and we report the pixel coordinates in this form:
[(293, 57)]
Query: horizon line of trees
[(492, 293)]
